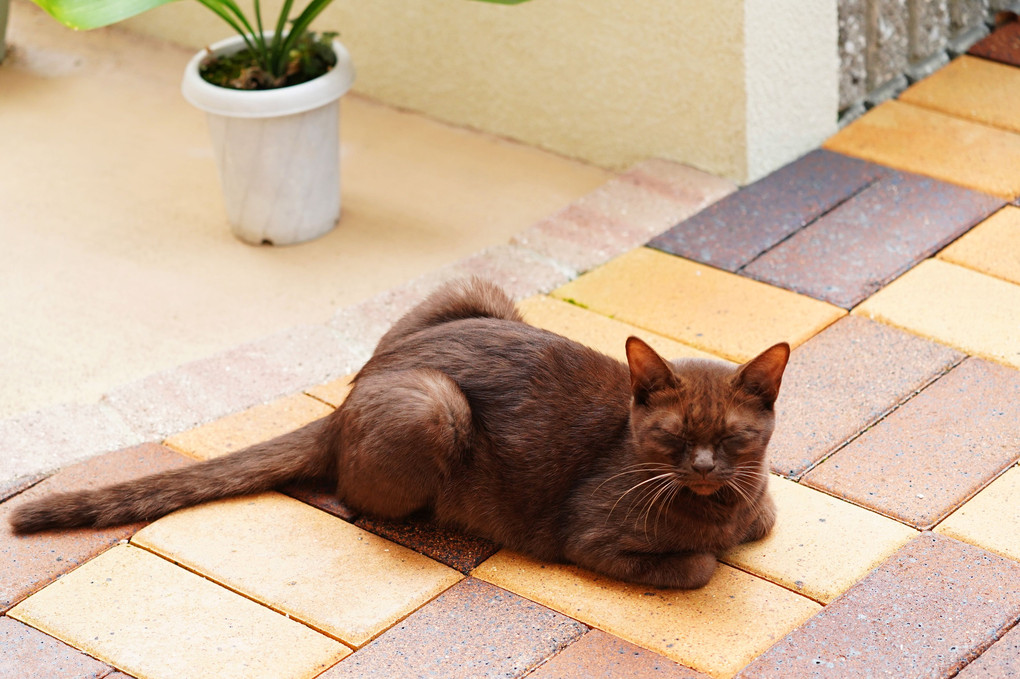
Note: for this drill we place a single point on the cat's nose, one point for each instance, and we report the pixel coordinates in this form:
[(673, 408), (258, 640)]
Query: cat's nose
[(704, 461)]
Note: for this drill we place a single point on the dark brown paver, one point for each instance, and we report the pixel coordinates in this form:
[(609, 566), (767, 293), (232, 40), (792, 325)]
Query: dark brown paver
[(29, 562), (474, 629), (1001, 660), (322, 495), (456, 550), (841, 381), (851, 252), (738, 228), (930, 455), (1002, 45), (598, 655), (27, 652), (925, 612)]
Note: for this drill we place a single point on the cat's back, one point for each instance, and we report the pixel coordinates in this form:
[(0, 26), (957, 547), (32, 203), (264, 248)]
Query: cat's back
[(529, 389)]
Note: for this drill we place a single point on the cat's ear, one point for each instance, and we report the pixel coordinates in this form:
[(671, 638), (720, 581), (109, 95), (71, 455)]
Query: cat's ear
[(649, 372), (762, 375)]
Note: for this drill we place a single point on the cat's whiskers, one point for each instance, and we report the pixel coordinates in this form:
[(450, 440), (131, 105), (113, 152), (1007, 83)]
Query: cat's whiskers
[(654, 479), (649, 503), (634, 469), (745, 474), (639, 502), (674, 491), (638, 468), (667, 492)]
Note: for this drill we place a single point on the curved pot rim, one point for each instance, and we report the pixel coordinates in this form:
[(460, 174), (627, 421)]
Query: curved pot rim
[(265, 103)]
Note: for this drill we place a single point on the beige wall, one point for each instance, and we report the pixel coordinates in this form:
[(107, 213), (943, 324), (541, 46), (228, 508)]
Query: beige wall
[(734, 87)]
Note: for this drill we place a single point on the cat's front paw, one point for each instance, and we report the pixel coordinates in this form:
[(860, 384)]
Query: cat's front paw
[(763, 521)]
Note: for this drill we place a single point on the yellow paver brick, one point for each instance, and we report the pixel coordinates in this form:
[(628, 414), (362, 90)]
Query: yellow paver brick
[(977, 89), (716, 311), (990, 519), (965, 309), (820, 545), (991, 247), (335, 392), (321, 570), (717, 629), (935, 144), (154, 620), (597, 331), (248, 427)]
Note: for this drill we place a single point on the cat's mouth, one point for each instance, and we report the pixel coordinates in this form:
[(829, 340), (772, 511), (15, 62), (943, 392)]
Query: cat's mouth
[(703, 487)]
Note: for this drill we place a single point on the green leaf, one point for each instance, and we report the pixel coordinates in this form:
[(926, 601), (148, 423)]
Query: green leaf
[(86, 14)]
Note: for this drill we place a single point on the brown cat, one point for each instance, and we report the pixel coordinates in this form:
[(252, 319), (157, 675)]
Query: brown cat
[(517, 435)]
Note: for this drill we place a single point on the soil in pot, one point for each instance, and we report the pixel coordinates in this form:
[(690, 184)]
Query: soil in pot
[(311, 57)]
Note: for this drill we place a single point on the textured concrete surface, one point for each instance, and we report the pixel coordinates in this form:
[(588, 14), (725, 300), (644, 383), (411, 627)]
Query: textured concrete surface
[(623, 214), (116, 274), (1001, 660)]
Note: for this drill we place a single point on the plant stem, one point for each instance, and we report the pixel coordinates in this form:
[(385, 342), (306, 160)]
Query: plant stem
[(300, 25)]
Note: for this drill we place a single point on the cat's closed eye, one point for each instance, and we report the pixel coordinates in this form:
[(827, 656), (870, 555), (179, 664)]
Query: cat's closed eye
[(738, 442)]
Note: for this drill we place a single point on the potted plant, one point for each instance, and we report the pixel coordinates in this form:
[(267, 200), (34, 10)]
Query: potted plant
[(4, 5), (272, 100)]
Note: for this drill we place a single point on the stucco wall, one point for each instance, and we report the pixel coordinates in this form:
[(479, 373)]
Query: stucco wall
[(734, 87), (791, 78)]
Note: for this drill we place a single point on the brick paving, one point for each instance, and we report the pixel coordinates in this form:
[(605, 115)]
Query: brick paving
[(895, 458)]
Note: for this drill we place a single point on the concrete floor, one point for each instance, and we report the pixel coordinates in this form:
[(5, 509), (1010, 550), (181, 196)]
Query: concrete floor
[(117, 260)]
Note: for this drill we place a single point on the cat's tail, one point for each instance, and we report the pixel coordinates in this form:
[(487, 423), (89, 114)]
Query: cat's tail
[(301, 454), (460, 299)]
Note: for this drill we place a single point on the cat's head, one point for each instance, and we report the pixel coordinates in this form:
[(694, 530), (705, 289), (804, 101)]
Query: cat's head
[(705, 423)]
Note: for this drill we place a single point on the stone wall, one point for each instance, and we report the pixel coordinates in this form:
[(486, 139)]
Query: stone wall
[(886, 44)]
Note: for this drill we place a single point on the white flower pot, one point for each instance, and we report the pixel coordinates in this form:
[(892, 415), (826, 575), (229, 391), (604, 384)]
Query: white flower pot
[(278, 151)]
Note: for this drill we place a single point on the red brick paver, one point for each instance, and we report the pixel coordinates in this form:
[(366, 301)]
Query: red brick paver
[(843, 380), (743, 225), (27, 652), (926, 612), (1001, 660), (934, 452), (1002, 45), (857, 248), (27, 563), (598, 655), (473, 630)]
